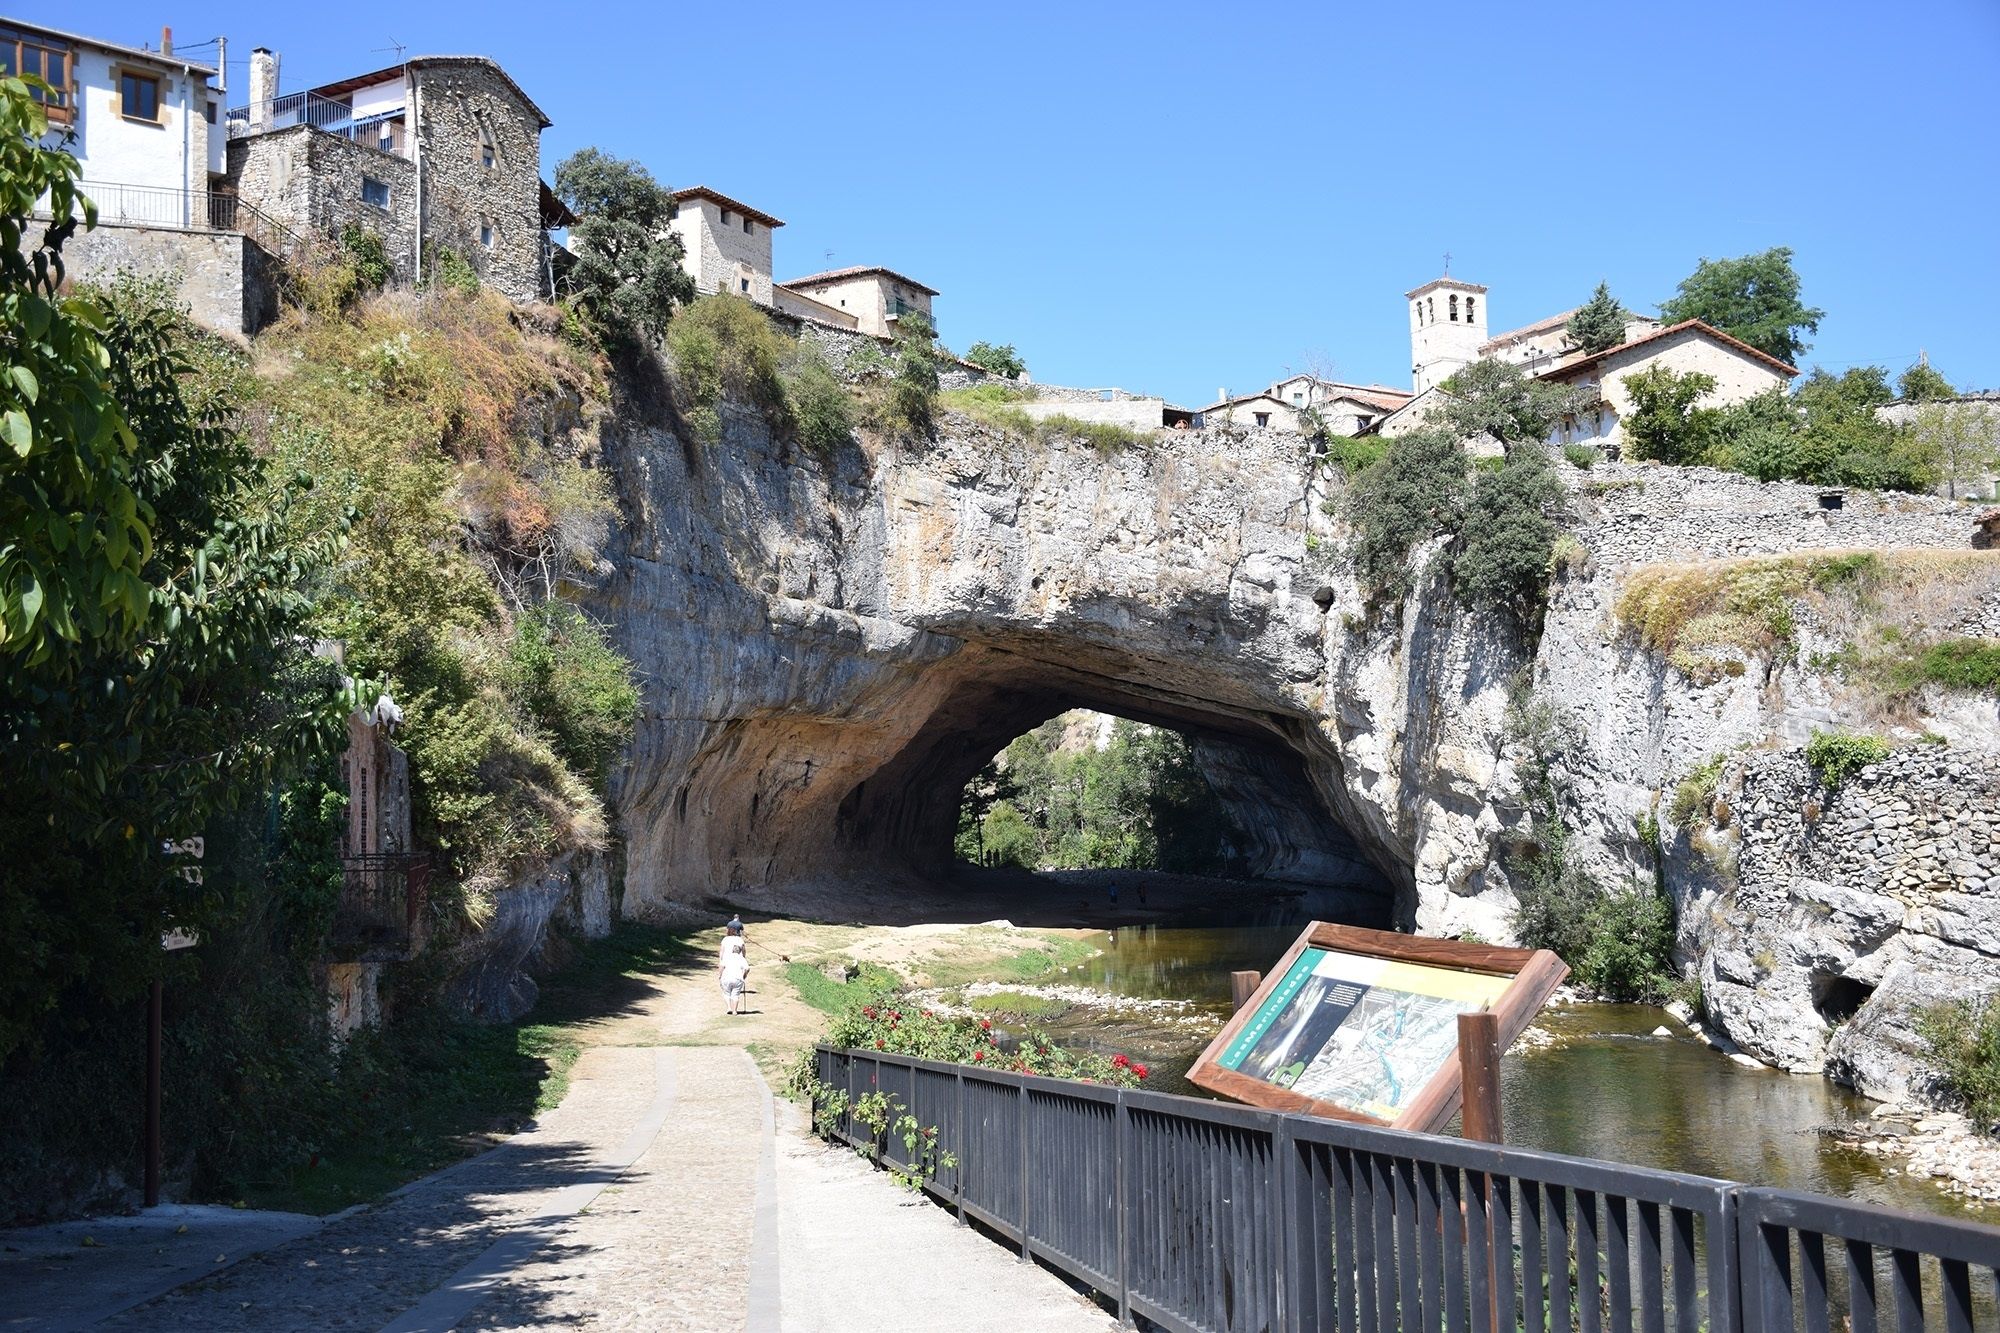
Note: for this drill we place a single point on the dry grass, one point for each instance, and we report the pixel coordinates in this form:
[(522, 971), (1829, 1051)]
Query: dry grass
[(1710, 619)]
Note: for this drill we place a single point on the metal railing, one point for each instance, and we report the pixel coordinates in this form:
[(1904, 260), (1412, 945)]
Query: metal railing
[(381, 897), (174, 209), (1197, 1215), (384, 131)]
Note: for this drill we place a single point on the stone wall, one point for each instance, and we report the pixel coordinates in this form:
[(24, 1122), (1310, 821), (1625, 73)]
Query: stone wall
[(464, 105), (227, 281), (1853, 910), (311, 182), (1635, 513)]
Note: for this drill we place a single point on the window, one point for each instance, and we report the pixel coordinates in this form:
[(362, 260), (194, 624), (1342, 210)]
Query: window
[(486, 234), (1263, 418), (208, 113), (1452, 304), (725, 217), (374, 192), (45, 59), (489, 157), (1298, 399), (1431, 309), (1468, 310), (749, 228), (139, 96), (745, 282), (1363, 421)]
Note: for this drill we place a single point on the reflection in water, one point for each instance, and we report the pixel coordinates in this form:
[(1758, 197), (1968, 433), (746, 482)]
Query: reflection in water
[(1612, 1090)]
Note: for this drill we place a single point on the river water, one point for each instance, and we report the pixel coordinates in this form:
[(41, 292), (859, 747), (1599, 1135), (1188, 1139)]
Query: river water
[(1609, 1088)]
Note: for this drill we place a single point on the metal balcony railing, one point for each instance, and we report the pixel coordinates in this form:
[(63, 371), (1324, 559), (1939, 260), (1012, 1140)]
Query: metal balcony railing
[(381, 898), (384, 131), (185, 210)]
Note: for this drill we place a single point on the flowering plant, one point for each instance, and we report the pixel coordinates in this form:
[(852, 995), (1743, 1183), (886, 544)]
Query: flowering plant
[(888, 1027)]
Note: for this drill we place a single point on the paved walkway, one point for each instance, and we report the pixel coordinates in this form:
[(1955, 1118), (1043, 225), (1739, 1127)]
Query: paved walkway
[(668, 1191)]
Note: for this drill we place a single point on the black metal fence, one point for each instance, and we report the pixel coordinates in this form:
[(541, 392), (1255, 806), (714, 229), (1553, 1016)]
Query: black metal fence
[(1197, 1215), (381, 898)]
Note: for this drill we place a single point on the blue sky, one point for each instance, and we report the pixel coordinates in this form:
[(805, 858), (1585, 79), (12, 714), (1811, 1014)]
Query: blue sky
[(1175, 198)]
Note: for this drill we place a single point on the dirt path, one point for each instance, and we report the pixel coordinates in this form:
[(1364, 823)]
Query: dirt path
[(670, 1190)]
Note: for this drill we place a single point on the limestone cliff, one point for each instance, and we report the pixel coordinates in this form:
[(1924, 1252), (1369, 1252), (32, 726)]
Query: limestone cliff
[(830, 648)]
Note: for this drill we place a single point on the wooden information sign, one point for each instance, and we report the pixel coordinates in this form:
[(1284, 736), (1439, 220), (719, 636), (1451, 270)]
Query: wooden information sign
[(1358, 1024)]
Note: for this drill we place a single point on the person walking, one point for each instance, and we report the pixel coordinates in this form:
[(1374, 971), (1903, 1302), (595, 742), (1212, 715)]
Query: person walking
[(735, 972)]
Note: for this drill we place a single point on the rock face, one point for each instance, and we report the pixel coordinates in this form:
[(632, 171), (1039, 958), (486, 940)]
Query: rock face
[(831, 648)]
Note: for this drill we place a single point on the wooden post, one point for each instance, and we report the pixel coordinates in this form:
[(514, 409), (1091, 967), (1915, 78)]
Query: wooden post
[(1479, 1070), (152, 1145), (1242, 985)]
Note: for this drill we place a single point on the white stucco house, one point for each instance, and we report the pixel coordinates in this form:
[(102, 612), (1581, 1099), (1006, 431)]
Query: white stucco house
[(1346, 409), (876, 297), (144, 126), (1740, 372)]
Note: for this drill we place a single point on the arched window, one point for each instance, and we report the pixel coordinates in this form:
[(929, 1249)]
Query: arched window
[(1453, 305), (1431, 308), (1418, 307), (1468, 310)]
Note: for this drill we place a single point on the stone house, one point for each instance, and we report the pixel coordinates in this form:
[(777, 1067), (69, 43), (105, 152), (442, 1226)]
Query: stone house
[(875, 297), (1740, 372), (727, 244), (436, 154)]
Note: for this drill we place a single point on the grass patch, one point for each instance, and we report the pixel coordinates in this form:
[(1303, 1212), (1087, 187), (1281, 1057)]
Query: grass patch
[(1964, 1041), (1955, 664), (430, 1090), (1046, 956), (825, 994), (1694, 795), (998, 406), (1018, 1005)]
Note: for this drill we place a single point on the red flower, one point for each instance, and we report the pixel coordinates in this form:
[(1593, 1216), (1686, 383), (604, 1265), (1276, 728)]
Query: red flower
[(868, 1010), (927, 1013), (979, 1055), (878, 1043), (1121, 1061), (1140, 1070), (986, 1024)]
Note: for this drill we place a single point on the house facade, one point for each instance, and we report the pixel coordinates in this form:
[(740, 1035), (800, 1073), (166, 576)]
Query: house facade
[(1342, 409), (1740, 372), (876, 297), (437, 154), (727, 244)]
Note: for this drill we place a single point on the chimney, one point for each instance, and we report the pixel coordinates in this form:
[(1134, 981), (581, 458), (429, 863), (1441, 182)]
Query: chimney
[(166, 40), (263, 87)]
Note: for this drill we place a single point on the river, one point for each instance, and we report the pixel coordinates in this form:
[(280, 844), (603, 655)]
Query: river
[(1607, 1088)]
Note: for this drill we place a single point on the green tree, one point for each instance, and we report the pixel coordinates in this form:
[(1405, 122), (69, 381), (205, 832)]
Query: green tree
[(114, 744), (574, 685), (1414, 492), (913, 387), (1002, 361), (1667, 423), (1599, 323), (625, 267), (1845, 443), (75, 533), (1754, 299), (1500, 400), (1922, 384), (1506, 550), (1957, 442)]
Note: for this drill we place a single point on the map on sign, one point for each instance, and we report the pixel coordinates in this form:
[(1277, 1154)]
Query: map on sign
[(1359, 1032)]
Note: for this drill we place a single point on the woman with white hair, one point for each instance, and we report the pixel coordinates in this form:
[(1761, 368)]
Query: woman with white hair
[(735, 972)]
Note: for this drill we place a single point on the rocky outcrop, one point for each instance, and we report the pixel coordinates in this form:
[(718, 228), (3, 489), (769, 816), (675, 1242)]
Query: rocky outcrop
[(830, 648)]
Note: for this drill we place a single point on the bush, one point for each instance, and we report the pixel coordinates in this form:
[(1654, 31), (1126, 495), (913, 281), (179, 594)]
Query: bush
[(1628, 954), (910, 402), (1581, 455), (453, 272), (370, 258), (1964, 1040), (1003, 361), (1104, 436), (1505, 554), (889, 1026), (725, 348), (575, 685), (1838, 755), (1959, 664), (1414, 492), (1353, 453), (1694, 795), (821, 408)]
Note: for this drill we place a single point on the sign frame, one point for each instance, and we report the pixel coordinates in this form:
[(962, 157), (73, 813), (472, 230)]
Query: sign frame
[(1534, 973)]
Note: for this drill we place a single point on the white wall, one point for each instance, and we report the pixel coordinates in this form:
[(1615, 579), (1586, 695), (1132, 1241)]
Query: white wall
[(1440, 344), (1131, 413), (174, 154), (721, 256), (868, 297), (793, 303), (1737, 375), (380, 98)]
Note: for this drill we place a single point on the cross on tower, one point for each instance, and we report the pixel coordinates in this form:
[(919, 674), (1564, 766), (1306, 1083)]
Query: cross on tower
[(1447, 263)]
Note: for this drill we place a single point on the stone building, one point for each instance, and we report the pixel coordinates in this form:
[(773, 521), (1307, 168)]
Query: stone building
[(1344, 409), (875, 297), (437, 154), (727, 243), (1740, 372)]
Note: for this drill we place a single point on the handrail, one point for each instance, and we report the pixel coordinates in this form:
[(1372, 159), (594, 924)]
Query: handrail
[(166, 206), (1203, 1215)]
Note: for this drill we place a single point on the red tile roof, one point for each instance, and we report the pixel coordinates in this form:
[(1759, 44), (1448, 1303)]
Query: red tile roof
[(717, 197), (836, 274)]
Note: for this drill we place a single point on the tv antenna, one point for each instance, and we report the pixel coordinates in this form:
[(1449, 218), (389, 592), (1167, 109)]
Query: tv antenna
[(393, 45)]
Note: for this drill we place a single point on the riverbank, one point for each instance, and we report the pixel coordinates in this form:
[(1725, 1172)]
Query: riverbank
[(1940, 1147)]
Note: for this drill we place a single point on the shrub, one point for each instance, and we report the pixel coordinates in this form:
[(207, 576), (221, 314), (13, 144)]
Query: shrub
[(1959, 664), (910, 402), (1353, 453), (724, 348), (1580, 455), (1415, 491), (453, 272), (1667, 424), (1839, 755), (1104, 436), (1964, 1041), (575, 685), (370, 258), (1627, 956), (900, 1029), (821, 408), (1003, 361), (1694, 795), (1505, 556)]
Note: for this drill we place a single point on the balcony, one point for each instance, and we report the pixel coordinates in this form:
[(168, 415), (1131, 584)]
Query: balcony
[(171, 209), (381, 900), (383, 131)]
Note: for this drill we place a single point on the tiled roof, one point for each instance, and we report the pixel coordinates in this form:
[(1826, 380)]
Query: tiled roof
[(836, 274), (1548, 325), (116, 48), (373, 77), (1446, 282), (1564, 370), (703, 192)]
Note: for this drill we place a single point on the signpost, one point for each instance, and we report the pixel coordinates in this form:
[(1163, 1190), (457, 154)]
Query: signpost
[(1372, 1026)]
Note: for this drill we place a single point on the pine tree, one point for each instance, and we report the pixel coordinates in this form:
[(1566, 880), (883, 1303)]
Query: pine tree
[(1599, 324)]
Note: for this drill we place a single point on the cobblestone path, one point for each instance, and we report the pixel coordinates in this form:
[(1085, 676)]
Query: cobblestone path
[(668, 1192)]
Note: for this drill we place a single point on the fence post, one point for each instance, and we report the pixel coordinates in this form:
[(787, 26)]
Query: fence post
[(1021, 1115), (958, 1137), (1121, 1145), (1291, 1227)]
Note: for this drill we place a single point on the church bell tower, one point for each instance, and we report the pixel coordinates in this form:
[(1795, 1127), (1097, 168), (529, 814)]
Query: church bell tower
[(1447, 326)]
